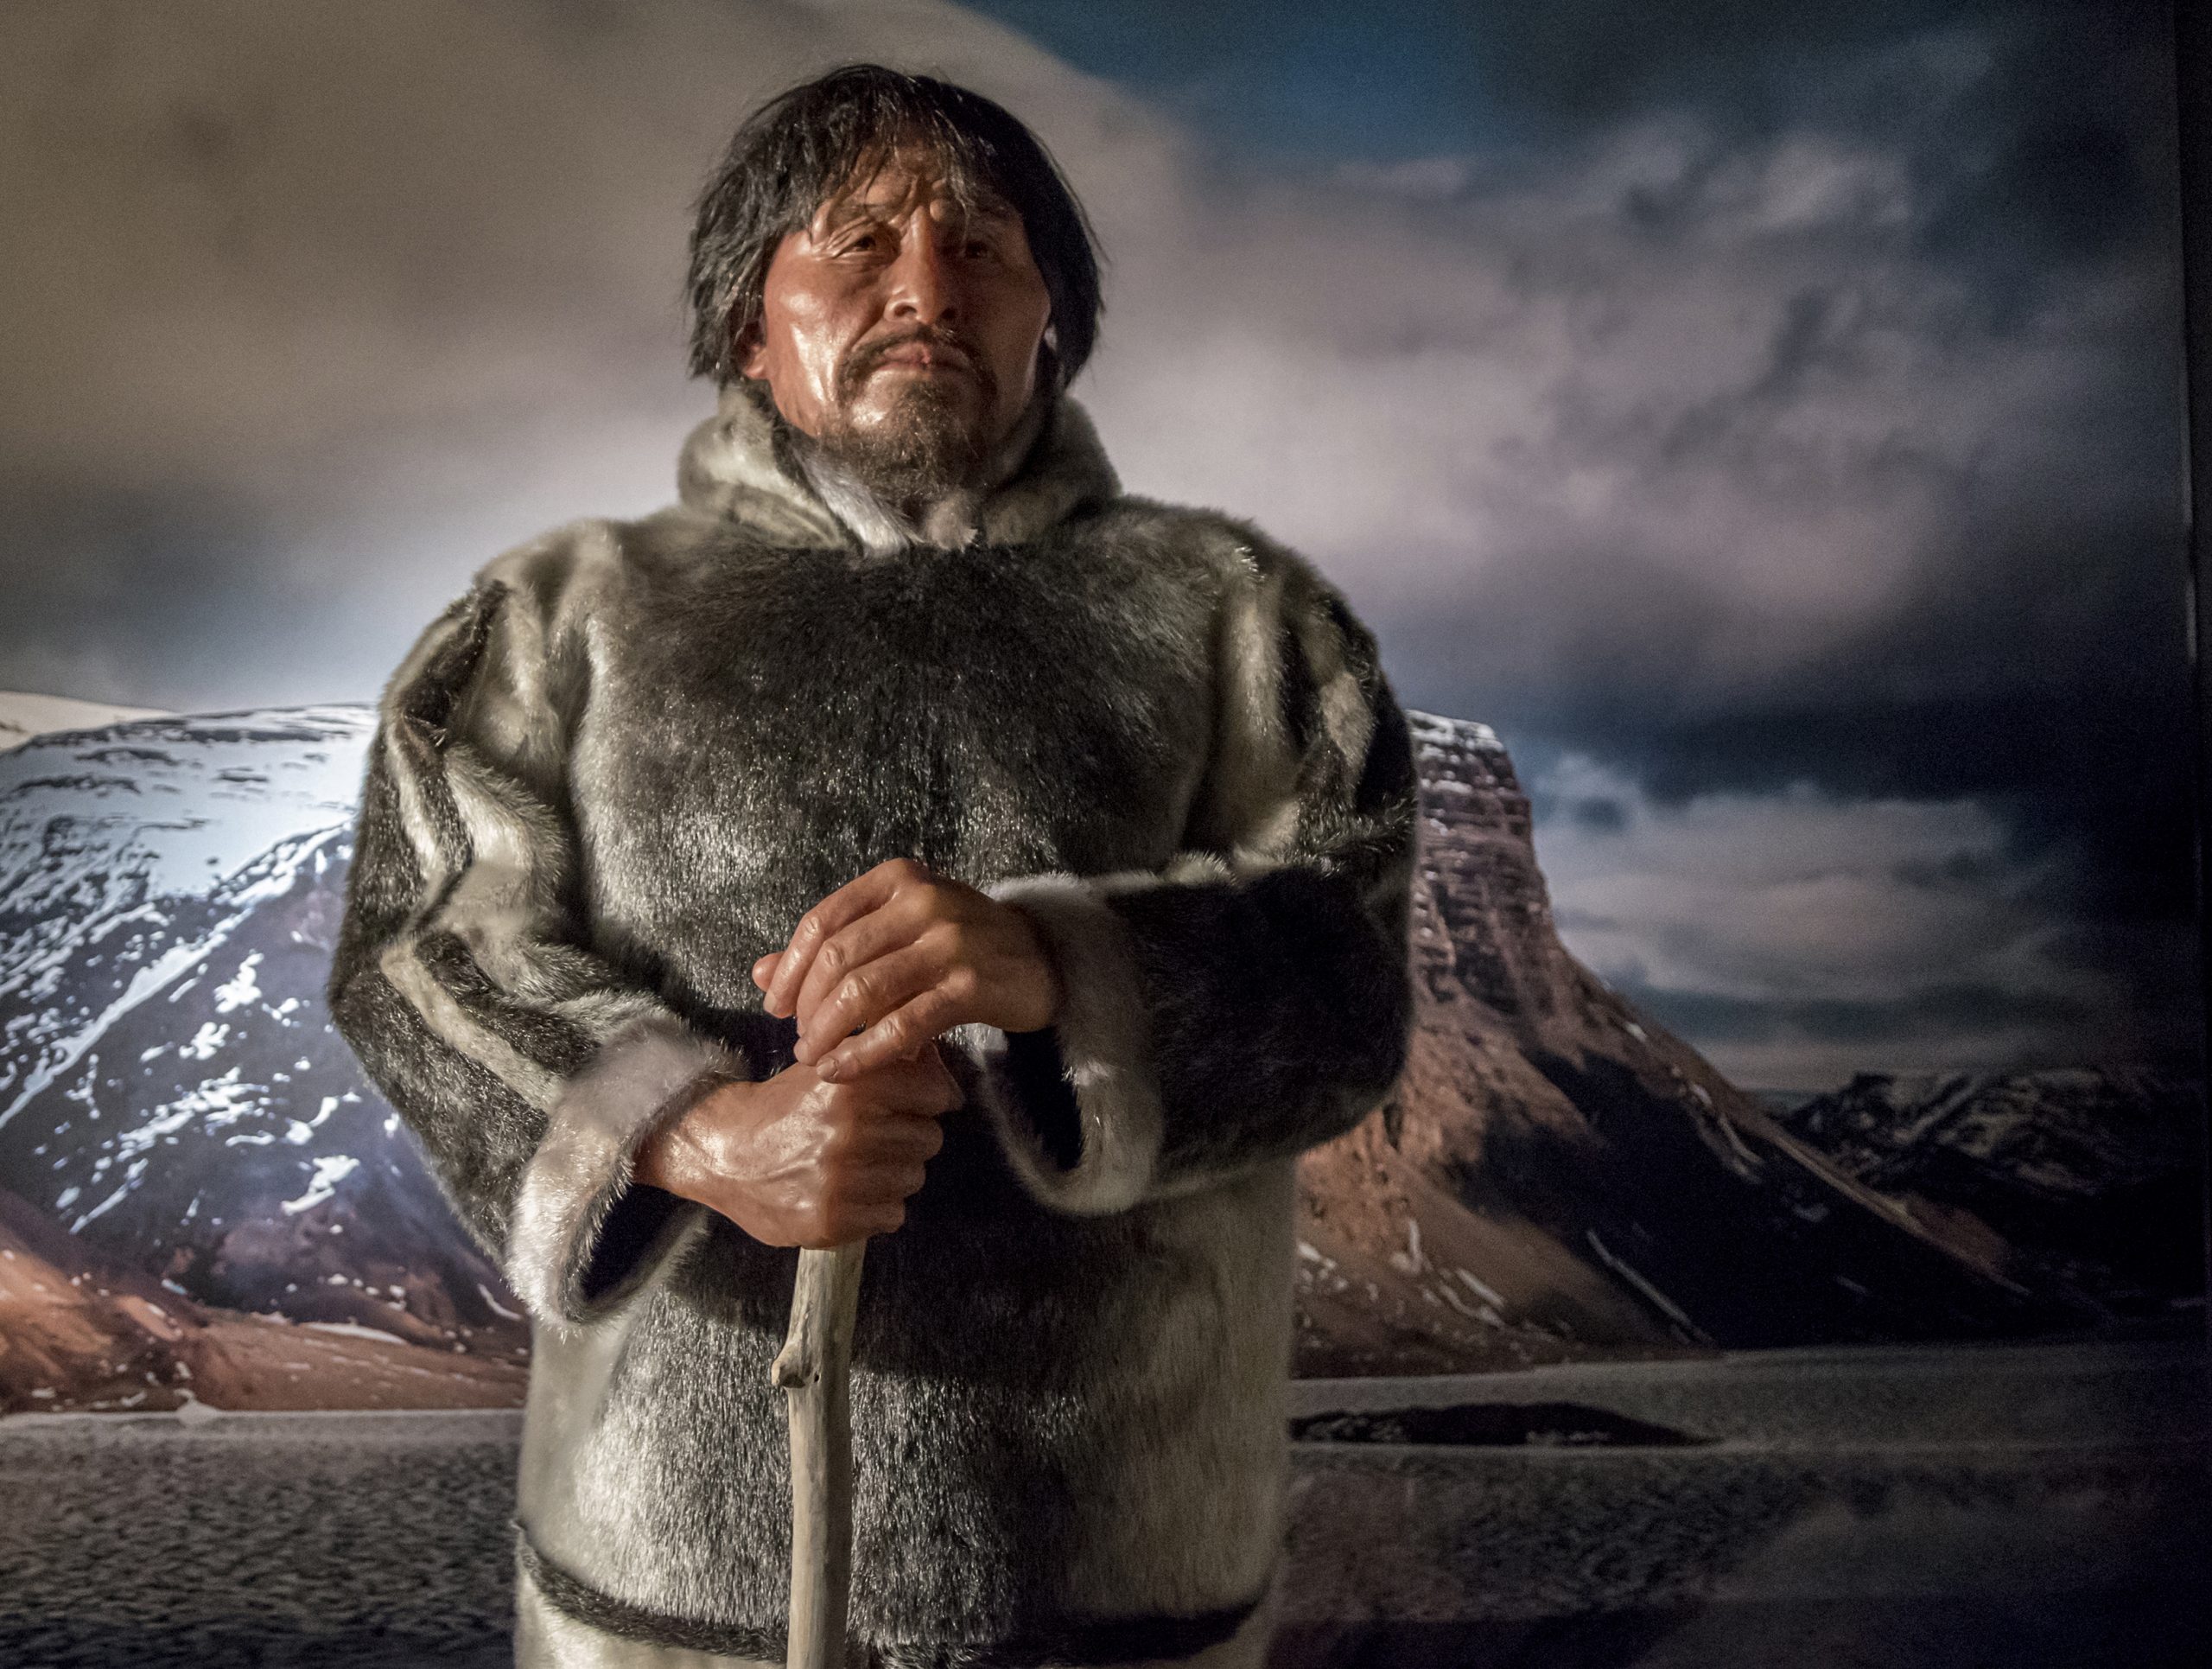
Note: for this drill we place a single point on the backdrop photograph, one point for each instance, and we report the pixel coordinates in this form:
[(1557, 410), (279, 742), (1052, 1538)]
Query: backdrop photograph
[(1756, 439)]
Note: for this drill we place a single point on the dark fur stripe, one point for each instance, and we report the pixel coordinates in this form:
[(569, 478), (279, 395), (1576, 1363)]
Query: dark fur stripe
[(429, 699), (424, 768), (1301, 695), (426, 709), (1121, 1640), (557, 1044), (475, 1131)]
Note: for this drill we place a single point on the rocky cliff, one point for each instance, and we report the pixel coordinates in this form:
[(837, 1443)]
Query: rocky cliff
[(1558, 1176)]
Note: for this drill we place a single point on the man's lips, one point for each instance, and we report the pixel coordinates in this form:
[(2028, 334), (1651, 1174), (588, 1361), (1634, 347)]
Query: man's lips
[(924, 357)]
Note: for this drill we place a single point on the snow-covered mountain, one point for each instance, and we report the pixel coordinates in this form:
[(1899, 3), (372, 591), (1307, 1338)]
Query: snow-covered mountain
[(1556, 1176), (170, 1088), (2092, 1181)]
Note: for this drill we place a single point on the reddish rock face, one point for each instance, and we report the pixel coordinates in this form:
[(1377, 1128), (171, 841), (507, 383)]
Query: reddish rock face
[(82, 1333), (1556, 1176)]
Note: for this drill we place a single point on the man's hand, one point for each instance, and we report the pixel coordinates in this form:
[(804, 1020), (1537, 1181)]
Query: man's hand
[(903, 954), (795, 1161)]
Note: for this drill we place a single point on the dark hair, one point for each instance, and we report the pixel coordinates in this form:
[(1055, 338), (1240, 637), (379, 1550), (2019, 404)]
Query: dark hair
[(790, 154)]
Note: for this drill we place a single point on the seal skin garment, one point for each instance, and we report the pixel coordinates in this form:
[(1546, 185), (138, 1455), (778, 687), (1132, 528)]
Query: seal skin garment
[(618, 770)]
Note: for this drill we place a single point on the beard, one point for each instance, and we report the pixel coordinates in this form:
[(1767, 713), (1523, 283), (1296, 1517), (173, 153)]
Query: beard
[(930, 441)]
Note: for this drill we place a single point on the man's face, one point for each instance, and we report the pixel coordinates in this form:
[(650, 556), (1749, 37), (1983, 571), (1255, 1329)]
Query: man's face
[(901, 330)]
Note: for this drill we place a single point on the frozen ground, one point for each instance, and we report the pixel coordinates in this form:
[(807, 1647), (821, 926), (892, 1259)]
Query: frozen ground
[(2012, 1507)]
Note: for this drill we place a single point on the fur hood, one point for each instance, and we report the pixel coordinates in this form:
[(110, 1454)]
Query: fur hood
[(738, 464)]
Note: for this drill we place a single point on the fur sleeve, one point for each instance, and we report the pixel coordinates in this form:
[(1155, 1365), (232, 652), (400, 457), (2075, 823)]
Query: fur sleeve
[(529, 1068), (1253, 997)]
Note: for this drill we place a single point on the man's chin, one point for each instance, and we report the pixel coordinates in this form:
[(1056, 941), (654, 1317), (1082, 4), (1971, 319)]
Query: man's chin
[(897, 408), (919, 448)]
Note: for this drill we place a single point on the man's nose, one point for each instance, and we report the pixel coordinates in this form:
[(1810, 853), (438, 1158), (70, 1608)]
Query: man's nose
[(925, 282)]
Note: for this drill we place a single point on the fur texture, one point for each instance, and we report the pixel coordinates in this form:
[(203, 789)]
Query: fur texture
[(617, 771)]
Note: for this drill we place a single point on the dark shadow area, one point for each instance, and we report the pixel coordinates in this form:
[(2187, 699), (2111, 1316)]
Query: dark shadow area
[(471, 1644), (2154, 1629), (1492, 1425)]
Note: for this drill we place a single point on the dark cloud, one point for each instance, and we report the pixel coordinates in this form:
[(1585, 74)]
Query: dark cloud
[(1600, 813), (1927, 1012), (2041, 670)]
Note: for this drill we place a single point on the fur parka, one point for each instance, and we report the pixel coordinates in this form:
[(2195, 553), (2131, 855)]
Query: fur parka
[(618, 769)]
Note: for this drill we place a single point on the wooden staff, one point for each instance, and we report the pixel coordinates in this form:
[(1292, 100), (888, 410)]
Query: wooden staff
[(813, 1369)]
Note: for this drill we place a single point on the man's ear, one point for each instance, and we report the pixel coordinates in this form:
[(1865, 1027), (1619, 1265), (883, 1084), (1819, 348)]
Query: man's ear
[(748, 352)]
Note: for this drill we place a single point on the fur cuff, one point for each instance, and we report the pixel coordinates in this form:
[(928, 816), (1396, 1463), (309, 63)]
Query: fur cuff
[(1103, 1039), (582, 1240)]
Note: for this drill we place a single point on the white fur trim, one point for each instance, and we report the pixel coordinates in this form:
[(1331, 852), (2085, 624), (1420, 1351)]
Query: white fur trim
[(1105, 1043), (644, 1074)]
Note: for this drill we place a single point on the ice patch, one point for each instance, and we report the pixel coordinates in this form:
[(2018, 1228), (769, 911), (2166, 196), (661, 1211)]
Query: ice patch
[(328, 1170), (355, 1330), (1658, 1299), (205, 1041), (1479, 1288), (244, 987)]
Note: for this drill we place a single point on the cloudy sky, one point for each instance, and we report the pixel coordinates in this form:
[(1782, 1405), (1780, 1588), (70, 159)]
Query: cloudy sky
[(1767, 416)]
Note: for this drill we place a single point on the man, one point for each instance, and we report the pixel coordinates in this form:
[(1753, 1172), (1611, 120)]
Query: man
[(906, 802)]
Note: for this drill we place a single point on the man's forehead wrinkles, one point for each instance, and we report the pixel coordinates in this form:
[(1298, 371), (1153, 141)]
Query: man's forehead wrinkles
[(946, 199), (839, 210)]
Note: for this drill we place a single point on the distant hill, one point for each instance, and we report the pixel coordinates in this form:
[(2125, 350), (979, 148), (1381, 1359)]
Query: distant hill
[(82, 1331), (2090, 1182), (23, 715)]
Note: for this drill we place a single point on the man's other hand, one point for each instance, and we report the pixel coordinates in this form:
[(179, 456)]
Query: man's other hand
[(903, 954), (795, 1160)]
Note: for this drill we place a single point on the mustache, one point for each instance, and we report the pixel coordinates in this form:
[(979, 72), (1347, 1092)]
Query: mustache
[(867, 358)]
